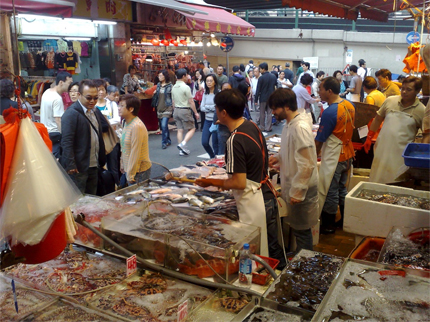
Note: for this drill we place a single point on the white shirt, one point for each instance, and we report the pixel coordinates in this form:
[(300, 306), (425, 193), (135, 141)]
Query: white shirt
[(51, 106), (111, 112), (361, 72), (254, 82)]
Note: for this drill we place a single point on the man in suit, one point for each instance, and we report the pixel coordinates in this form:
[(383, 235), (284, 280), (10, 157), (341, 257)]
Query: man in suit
[(82, 140)]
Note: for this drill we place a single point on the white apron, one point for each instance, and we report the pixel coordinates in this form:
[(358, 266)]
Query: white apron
[(250, 205), (398, 130), (330, 153)]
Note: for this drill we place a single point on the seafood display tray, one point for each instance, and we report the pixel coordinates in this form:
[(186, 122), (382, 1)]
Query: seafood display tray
[(407, 247), (185, 240), (375, 292), (371, 218), (369, 249), (300, 278), (417, 155), (261, 309)]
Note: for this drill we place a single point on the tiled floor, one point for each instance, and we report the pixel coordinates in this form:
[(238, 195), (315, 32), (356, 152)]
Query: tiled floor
[(341, 243)]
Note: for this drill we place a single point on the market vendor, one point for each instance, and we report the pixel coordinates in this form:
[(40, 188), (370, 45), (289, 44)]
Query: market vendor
[(130, 83), (247, 162), (297, 161), (402, 116)]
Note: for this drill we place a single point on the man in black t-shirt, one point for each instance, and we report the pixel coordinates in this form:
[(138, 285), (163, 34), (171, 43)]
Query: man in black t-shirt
[(247, 163)]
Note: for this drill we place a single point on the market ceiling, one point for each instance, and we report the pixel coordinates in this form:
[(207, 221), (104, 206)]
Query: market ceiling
[(350, 9)]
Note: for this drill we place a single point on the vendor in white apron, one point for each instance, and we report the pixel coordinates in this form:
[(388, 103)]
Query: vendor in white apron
[(297, 162), (402, 116), (356, 84), (246, 163), (334, 142)]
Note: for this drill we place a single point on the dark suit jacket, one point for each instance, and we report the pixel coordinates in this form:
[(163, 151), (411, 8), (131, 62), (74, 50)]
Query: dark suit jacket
[(266, 85), (76, 139)]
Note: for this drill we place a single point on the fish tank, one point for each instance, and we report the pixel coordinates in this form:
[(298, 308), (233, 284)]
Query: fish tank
[(95, 208), (375, 292), (184, 240)]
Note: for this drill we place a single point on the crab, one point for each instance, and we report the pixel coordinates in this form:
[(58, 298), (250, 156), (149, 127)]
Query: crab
[(231, 304)]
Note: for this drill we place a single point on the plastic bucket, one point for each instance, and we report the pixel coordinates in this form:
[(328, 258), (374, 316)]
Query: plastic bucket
[(50, 247)]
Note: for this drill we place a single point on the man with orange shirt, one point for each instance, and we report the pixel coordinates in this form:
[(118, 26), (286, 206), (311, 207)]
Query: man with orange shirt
[(334, 142)]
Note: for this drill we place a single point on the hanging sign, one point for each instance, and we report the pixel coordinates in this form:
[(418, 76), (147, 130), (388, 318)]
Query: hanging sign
[(226, 44), (349, 56), (412, 37)]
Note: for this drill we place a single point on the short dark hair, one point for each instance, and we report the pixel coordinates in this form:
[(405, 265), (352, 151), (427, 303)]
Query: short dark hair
[(62, 76), (287, 64), (243, 87), (361, 62), (308, 65), (331, 83), (107, 80), (353, 68), (251, 61), (181, 72), (7, 88), (370, 83), (112, 89), (201, 72), (100, 82), (383, 73), (222, 85), (306, 79), (264, 66), (220, 65), (418, 82), (71, 85), (242, 67), (337, 72), (236, 68), (86, 82), (320, 73), (131, 67), (232, 101), (283, 97), (207, 90), (165, 74), (131, 101)]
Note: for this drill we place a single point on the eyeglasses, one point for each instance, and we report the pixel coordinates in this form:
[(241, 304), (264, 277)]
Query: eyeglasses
[(73, 91), (91, 98)]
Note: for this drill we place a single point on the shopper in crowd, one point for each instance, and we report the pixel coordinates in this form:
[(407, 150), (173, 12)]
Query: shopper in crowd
[(306, 70), (184, 108), (315, 94), (112, 94), (254, 82), (83, 149), (247, 163), (266, 85), (208, 107), (245, 89), (362, 72), (374, 97), (386, 86), (101, 90), (223, 132), (297, 162), (172, 75), (355, 86), (242, 70), (162, 102), (197, 92), (130, 82), (402, 116), (236, 78), (7, 91), (24, 104), (299, 72), (282, 81), (304, 99), (289, 74), (107, 81), (249, 77), (52, 109), (334, 140), (250, 66), (136, 165), (73, 91), (343, 85), (221, 78)]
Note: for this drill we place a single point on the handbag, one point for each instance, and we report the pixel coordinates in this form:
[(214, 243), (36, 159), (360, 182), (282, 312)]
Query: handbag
[(198, 96), (110, 139)]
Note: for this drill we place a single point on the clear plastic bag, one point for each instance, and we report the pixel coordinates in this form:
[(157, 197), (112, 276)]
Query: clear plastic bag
[(38, 189)]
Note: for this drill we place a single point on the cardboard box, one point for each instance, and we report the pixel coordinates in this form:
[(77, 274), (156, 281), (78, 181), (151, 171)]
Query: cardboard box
[(371, 218)]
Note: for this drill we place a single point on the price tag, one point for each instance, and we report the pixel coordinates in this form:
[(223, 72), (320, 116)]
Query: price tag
[(363, 131), (183, 311), (131, 265)]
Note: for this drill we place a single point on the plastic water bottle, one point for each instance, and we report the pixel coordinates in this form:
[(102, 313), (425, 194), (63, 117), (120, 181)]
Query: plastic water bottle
[(245, 267)]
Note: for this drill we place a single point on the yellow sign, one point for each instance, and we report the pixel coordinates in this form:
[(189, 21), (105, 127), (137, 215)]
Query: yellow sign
[(207, 25), (103, 9), (238, 30), (229, 29), (194, 23), (218, 27)]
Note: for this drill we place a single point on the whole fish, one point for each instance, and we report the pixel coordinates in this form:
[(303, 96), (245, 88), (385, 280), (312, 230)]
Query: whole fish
[(207, 200), (160, 191), (196, 202), (169, 196), (180, 200)]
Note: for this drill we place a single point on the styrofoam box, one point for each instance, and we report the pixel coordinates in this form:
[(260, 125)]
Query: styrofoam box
[(371, 218)]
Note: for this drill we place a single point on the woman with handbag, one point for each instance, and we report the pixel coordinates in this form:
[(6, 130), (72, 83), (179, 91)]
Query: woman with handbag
[(162, 102), (198, 90), (208, 107)]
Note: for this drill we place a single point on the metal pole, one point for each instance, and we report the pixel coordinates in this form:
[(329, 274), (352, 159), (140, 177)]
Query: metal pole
[(228, 64), (16, 40), (246, 15), (353, 25), (296, 21)]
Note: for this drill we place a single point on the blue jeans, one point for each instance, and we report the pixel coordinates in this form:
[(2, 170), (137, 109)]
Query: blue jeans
[(112, 162), (86, 181), (223, 135), (55, 138), (164, 126), (275, 250), (205, 139), (303, 239), (337, 192)]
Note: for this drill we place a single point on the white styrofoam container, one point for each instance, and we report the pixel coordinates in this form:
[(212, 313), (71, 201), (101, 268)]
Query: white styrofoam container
[(371, 218)]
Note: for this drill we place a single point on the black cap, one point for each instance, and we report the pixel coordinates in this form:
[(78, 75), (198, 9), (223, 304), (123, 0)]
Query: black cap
[(251, 61), (361, 62), (287, 64), (236, 68)]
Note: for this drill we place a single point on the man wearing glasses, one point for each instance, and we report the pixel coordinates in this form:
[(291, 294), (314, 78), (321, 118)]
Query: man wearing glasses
[(82, 140)]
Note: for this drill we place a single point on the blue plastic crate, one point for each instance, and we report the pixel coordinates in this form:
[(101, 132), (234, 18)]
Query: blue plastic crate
[(417, 155)]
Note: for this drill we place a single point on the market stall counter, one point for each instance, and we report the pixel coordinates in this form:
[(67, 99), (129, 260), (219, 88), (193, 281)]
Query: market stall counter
[(147, 113)]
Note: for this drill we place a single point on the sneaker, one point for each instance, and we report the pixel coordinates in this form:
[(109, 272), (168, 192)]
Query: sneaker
[(183, 148), (164, 146), (181, 153)]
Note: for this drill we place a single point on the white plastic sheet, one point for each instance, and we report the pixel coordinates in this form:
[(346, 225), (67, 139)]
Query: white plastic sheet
[(38, 189)]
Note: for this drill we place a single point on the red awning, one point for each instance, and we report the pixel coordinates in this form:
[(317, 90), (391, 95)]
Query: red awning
[(218, 20), (369, 9), (37, 7)]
